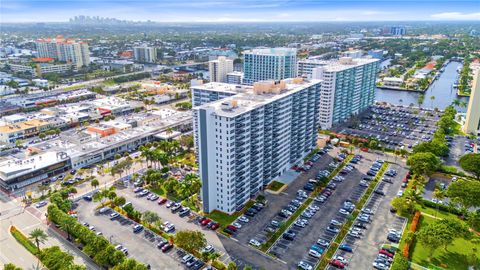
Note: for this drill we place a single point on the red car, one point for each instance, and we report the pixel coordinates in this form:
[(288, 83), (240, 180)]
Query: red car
[(214, 226), (167, 247), (162, 200), (405, 180), (384, 252), (337, 264), (231, 227), (205, 221)]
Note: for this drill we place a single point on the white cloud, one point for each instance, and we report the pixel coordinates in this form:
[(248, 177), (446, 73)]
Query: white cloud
[(456, 16)]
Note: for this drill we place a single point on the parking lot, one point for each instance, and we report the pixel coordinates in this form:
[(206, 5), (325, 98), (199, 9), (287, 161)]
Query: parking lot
[(460, 145), (255, 228), (350, 190), (141, 246), (393, 127), (291, 252), (181, 223), (374, 236)]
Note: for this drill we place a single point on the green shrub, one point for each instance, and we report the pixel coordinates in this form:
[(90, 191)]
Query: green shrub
[(23, 240), (218, 265)]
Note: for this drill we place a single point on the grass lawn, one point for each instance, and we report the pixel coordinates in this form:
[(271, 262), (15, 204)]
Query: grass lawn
[(225, 219), (458, 255), (159, 191), (433, 211), (275, 186)]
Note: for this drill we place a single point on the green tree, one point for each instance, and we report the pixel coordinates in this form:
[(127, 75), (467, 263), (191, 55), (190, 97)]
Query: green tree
[(55, 259), (471, 164), (94, 183), (129, 264), (119, 201), (465, 193), (400, 263), (232, 266), (38, 236), (191, 241), (150, 217), (430, 236), (423, 163), (402, 204), (11, 266), (373, 144)]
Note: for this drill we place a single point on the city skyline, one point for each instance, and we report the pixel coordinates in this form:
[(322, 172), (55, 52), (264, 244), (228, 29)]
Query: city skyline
[(240, 11)]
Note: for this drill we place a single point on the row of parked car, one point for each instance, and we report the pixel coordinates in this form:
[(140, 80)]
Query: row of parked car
[(318, 248), (384, 258), (237, 224)]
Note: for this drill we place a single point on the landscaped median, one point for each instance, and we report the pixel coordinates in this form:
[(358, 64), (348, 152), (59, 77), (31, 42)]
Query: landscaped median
[(23, 240), (273, 238), (326, 257)]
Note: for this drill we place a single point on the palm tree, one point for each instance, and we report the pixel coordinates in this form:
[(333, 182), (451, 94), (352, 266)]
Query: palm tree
[(38, 236), (463, 104), (439, 195), (456, 102)]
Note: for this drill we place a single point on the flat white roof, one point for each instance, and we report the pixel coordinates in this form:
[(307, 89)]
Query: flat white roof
[(14, 167), (247, 101)]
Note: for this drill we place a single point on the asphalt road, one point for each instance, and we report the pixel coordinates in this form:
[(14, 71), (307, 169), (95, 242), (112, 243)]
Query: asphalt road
[(28, 219), (367, 247)]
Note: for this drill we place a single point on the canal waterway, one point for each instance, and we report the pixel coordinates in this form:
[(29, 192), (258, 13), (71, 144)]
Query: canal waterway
[(441, 89)]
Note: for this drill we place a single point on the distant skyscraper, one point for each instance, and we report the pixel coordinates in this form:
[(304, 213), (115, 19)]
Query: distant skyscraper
[(245, 141), (472, 123), (398, 30), (348, 88), (144, 54), (67, 50), (269, 64), (219, 69)]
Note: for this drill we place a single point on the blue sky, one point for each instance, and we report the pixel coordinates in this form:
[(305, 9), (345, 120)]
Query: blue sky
[(240, 10)]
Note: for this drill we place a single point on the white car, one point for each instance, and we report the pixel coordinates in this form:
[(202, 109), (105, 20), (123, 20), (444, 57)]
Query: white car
[(243, 219), (367, 211), (363, 183), (254, 242), (299, 223), (400, 193), (343, 212), (238, 225), (379, 266), (354, 234), (341, 259), (304, 266), (314, 253), (335, 222)]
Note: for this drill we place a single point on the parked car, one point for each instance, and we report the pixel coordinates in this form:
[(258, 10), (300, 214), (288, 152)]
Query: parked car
[(137, 228), (167, 247), (345, 247), (289, 235), (113, 216), (304, 265), (337, 264)]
